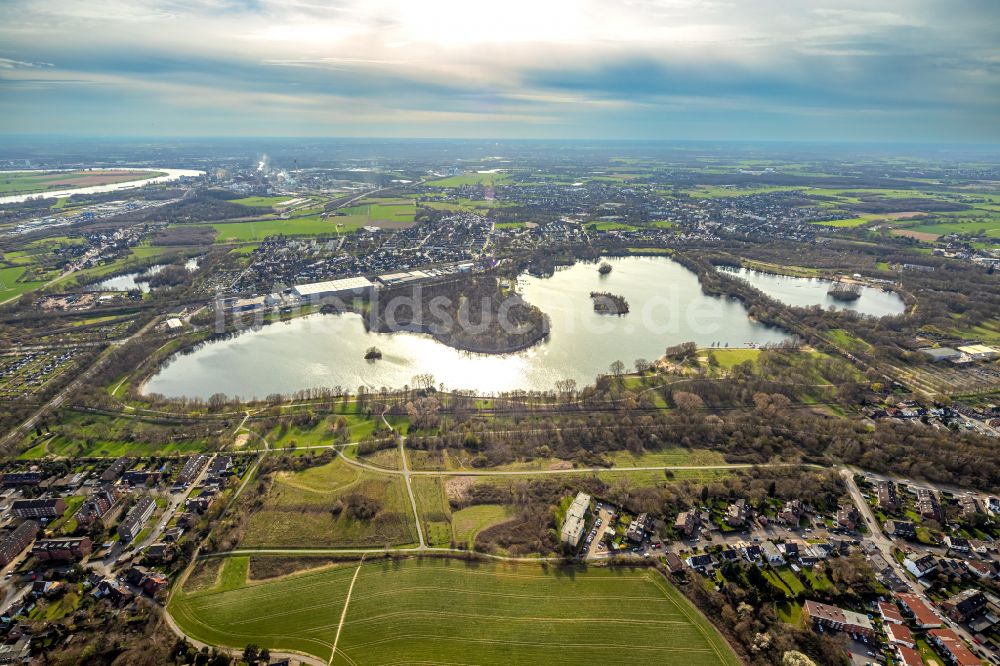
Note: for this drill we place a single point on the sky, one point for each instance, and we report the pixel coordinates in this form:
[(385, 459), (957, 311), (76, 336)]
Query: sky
[(814, 70)]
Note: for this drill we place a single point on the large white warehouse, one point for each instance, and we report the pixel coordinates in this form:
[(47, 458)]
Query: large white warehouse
[(353, 286)]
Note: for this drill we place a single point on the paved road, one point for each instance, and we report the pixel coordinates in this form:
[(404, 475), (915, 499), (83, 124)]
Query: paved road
[(885, 546)]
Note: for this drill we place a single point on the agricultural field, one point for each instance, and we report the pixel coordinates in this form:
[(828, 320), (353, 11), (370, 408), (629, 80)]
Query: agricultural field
[(29, 182), (300, 509), (849, 223), (486, 179), (310, 225), (450, 611), (395, 211)]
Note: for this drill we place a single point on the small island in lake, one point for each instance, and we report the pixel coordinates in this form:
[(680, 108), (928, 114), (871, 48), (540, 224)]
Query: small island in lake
[(844, 291), (606, 303), (604, 268), (373, 353)]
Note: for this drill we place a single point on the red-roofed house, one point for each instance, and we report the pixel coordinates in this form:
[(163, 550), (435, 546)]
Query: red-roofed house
[(923, 615), (899, 634), (890, 613), (952, 647), (908, 656), (838, 619)]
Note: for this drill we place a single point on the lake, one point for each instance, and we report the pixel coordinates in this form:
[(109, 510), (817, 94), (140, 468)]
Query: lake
[(137, 280), (667, 308), (806, 292)]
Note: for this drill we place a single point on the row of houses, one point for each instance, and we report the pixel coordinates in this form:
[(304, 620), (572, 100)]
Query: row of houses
[(49, 507), (768, 553), (103, 504), (191, 469), (136, 518), (896, 620), (68, 549), (14, 543)]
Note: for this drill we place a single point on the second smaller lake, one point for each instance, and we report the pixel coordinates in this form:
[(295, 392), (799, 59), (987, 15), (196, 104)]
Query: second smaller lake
[(137, 280), (807, 292)]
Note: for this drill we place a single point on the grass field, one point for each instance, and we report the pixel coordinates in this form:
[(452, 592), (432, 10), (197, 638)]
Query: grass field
[(298, 510), (448, 611), (728, 358), (92, 435), (310, 225), (470, 521), (9, 285), (384, 210), (609, 226), (260, 201), (471, 179)]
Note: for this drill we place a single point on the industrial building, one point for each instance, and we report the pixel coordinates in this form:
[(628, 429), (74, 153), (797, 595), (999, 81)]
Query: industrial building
[(576, 518), (345, 287)]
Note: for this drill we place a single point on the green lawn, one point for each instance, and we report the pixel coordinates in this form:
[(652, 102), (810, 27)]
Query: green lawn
[(449, 611), (67, 523), (728, 358), (608, 226)]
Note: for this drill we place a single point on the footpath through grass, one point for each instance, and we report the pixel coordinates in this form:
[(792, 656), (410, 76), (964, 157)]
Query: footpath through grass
[(450, 611)]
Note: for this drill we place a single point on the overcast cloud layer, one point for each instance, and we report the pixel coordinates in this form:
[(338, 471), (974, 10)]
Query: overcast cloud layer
[(898, 70)]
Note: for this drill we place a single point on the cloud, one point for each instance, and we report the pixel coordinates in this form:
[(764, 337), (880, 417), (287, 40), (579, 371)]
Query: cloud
[(8, 63), (769, 69)]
